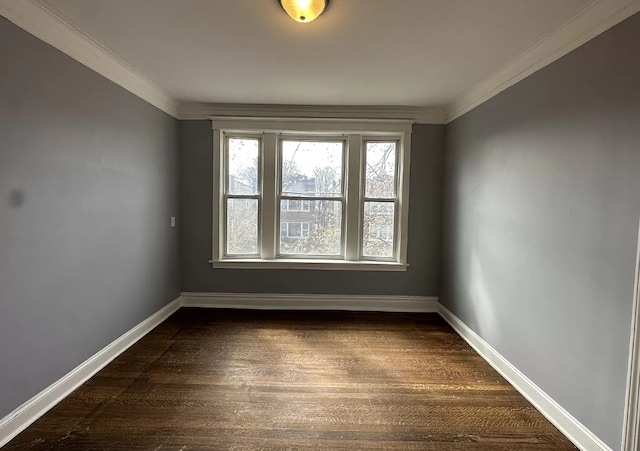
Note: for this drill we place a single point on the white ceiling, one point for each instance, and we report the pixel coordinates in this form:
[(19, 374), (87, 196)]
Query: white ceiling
[(360, 52)]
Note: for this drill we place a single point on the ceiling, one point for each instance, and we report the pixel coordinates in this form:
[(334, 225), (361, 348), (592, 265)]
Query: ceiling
[(360, 52)]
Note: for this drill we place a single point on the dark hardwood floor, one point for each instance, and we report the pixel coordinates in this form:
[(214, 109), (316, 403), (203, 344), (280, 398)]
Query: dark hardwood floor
[(225, 379)]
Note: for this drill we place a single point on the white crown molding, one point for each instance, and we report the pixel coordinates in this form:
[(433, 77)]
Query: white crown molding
[(424, 115), (575, 431), (42, 21), (595, 18), (631, 425), (30, 411), (267, 301)]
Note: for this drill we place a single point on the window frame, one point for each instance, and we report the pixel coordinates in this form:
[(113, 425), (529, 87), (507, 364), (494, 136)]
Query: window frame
[(225, 195), (271, 132), (395, 200)]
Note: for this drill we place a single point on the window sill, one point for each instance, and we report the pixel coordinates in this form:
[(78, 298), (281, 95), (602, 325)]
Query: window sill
[(324, 265)]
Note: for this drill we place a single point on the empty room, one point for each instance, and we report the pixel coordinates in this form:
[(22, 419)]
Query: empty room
[(320, 224)]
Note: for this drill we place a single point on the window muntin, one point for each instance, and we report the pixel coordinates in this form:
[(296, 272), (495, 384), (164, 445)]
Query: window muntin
[(273, 204)]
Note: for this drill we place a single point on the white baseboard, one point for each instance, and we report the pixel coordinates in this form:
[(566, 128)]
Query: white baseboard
[(575, 431), (30, 411), (311, 302)]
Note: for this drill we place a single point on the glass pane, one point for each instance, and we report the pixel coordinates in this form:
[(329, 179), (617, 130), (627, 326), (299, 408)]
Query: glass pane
[(381, 170), (242, 158), (312, 168), (295, 205), (294, 229), (316, 231), (242, 226), (378, 228)]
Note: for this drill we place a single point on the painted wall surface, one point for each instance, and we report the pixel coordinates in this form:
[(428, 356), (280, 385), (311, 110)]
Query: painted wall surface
[(88, 182), (422, 277), (542, 199)]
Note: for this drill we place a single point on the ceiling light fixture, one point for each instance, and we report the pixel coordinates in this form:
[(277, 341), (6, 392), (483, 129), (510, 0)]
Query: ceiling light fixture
[(304, 10)]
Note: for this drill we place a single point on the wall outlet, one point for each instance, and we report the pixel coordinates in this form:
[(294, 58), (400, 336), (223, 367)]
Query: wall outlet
[(173, 221)]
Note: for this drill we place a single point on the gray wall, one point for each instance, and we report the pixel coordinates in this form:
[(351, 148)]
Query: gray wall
[(541, 198), (88, 181), (422, 277)]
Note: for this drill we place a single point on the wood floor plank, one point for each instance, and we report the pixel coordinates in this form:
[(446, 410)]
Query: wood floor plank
[(245, 380)]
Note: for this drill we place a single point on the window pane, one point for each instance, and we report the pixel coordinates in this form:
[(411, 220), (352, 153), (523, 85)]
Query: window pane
[(242, 226), (312, 168), (378, 228), (316, 231), (294, 229), (295, 205), (381, 169), (242, 157)]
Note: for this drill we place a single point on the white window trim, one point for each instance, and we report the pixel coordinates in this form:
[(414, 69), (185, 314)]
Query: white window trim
[(356, 132)]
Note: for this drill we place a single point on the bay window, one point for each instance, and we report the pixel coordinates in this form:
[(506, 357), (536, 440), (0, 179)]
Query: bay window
[(310, 194)]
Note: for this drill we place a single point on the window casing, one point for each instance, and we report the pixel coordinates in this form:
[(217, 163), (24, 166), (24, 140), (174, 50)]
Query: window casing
[(365, 176)]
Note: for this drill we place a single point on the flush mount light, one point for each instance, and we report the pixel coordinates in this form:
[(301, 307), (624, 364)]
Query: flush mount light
[(304, 10)]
